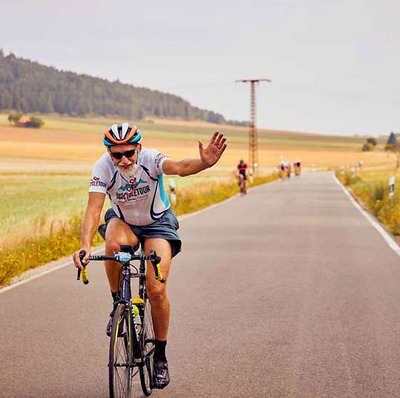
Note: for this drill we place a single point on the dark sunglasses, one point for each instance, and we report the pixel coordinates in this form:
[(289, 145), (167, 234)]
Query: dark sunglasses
[(119, 155)]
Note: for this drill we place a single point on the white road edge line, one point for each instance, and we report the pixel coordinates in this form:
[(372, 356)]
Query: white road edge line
[(66, 263), (385, 235)]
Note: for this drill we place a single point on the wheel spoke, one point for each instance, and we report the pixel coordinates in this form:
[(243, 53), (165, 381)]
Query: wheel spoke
[(120, 362), (147, 342)]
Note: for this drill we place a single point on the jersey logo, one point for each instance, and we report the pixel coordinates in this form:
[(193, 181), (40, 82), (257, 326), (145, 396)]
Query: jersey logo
[(160, 156), (95, 182), (132, 184)]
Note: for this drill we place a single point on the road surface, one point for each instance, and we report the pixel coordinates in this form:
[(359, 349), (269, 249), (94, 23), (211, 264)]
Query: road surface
[(286, 292)]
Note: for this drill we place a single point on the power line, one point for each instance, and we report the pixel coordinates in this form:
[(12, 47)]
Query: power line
[(253, 141)]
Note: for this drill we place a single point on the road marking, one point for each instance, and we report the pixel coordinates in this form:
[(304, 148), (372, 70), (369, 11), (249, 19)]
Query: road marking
[(385, 235)]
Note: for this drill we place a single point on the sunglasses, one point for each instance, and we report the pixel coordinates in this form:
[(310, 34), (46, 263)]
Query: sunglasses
[(120, 155)]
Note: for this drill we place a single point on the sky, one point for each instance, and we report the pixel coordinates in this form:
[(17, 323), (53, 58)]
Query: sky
[(333, 64)]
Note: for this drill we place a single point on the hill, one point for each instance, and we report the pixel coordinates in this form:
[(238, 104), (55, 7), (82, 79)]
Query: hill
[(28, 86)]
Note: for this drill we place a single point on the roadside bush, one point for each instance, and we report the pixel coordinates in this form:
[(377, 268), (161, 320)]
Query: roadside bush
[(36, 122), (379, 191), (390, 214), (347, 179)]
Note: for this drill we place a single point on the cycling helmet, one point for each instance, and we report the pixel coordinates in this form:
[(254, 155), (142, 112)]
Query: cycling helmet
[(119, 134)]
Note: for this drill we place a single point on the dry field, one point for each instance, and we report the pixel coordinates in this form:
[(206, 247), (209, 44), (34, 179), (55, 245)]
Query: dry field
[(77, 141)]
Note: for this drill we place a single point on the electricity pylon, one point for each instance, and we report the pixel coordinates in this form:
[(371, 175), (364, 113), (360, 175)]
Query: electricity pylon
[(253, 141)]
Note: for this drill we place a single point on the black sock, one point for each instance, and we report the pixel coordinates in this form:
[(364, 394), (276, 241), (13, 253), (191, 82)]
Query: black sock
[(159, 353), (116, 297)]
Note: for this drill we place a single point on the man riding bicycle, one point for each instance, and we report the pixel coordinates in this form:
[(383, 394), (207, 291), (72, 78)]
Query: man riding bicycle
[(131, 176), (242, 173)]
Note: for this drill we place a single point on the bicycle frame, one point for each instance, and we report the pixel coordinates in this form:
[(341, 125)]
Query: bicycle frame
[(137, 354)]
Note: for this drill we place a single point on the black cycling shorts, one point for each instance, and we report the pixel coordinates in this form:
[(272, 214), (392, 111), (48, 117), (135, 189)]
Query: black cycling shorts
[(164, 228)]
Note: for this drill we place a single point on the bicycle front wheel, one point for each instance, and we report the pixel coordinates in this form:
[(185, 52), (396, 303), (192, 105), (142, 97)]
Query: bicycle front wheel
[(121, 362), (147, 340)]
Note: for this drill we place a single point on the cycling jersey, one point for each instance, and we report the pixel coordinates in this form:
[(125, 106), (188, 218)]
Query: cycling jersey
[(140, 199), (242, 168)]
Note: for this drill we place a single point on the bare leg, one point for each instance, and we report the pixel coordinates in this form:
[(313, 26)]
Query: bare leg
[(157, 291), (118, 233)]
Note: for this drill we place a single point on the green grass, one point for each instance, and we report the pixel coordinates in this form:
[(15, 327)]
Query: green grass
[(37, 204), (34, 204), (34, 252)]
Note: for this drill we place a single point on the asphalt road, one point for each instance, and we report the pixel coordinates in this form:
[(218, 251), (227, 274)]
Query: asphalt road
[(286, 292)]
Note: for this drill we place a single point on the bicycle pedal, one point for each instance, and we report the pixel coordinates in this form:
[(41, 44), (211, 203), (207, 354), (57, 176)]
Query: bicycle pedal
[(147, 341)]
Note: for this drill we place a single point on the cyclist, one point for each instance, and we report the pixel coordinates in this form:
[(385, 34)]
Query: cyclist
[(297, 167), (282, 166), (288, 168), (131, 176), (242, 173)]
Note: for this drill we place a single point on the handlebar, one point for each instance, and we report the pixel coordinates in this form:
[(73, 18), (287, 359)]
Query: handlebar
[(83, 271), (123, 258)]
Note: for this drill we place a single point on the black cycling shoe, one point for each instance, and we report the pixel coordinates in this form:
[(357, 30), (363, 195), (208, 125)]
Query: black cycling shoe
[(109, 325), (160, 374)]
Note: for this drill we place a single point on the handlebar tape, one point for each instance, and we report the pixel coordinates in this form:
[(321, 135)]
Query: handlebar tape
[(159, 276), (85, 278), (156, 260)]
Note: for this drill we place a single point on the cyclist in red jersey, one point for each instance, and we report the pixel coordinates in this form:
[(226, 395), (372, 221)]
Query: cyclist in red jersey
[(242, 172)]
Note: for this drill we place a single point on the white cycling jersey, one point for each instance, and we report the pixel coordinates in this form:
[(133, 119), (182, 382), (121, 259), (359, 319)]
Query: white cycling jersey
[(139, 199)]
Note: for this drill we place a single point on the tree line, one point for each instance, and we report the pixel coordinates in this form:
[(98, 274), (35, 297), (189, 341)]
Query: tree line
[(27, 86)]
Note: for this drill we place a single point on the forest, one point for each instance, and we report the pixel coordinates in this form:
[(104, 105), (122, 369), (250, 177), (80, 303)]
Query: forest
[(28, 86)]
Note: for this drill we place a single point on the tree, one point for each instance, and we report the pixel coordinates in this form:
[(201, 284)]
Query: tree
[(372, 141), (367, 147), (27, 86), (13, 117), (394, 148)]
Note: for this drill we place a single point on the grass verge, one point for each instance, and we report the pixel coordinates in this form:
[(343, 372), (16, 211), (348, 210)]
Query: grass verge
[(372, 191), (37, 251)]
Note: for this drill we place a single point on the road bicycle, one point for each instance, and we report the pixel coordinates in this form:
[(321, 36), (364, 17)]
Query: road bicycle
[(132, 340), (242, 184)]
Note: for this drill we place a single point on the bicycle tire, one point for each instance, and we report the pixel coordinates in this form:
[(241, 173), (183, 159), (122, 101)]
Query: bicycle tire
[(121, 361), (147, 340)]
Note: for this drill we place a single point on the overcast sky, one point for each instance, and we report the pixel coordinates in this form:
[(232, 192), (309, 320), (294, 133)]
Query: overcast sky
[(334, 64)]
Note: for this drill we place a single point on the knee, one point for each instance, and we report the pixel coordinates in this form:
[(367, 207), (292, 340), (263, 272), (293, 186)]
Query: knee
[(157, 293), (112, 246)]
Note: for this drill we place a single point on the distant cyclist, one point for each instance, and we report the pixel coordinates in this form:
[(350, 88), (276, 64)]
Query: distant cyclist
[(288, 169), (132, 177), (297, 167), (282, 166), (242, 174)]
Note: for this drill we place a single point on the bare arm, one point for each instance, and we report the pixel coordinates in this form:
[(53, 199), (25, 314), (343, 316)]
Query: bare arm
[(89, 225), (208, 157)]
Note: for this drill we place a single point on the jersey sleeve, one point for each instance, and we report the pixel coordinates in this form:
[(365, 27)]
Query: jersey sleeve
[(159, 160), (100, 177)]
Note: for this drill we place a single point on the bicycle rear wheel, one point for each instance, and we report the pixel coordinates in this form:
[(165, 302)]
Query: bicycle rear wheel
[(147, 339), (121, 361)]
